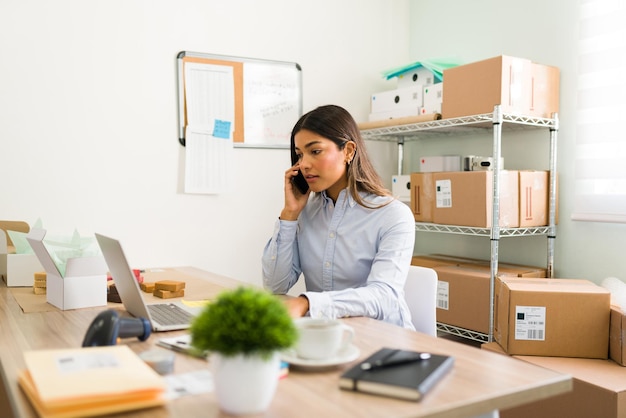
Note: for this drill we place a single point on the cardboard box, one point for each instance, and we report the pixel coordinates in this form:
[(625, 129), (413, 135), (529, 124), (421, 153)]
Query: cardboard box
[(465, 198), (16, 269), (477, 87), (533, 197), (84, 283), (422, 198), (463, 297), (599, 390), (410, 97), (545, 90), (617, 336), (552, 317), (434, 163)]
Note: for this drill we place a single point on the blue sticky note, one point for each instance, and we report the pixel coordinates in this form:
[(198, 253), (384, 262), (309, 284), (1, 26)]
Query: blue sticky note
[(221, 129)]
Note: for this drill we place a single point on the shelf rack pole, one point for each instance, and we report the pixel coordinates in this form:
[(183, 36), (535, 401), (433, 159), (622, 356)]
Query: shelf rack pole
[(400, 155), (495, 216), (553, 198)]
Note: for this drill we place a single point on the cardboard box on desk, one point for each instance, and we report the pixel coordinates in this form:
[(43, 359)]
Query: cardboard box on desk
[(465, 198), (518, 85), (84, 283), (552, 317), (599, 388), (16, 269)]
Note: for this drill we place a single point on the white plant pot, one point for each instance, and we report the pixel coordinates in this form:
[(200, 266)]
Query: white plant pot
[(244, 384)]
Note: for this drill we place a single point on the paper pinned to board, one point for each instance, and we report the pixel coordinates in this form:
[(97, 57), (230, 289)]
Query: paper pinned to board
[(210, 92)]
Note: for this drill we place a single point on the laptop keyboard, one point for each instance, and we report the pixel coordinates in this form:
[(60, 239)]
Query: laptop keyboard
[(169, 314)]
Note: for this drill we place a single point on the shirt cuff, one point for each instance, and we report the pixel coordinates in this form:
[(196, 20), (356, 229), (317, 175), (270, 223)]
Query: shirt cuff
[(320, 305)]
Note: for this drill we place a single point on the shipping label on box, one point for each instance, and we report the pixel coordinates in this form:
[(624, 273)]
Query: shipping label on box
[(552, 317), (84, 283)]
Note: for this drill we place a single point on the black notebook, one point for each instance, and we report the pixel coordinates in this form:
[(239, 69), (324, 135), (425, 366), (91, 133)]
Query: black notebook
[(397, 373)]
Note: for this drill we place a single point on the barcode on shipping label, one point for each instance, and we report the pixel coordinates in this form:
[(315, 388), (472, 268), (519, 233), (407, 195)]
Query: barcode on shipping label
[(530, 323), (443, 192), (443, 295)]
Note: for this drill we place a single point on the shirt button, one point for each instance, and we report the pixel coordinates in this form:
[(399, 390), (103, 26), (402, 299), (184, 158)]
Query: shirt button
[(332, 235), (327, 264)]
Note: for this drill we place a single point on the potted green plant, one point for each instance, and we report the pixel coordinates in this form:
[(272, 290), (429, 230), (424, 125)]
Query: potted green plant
[(244, 330)]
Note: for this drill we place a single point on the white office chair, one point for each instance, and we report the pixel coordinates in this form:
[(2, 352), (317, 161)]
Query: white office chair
[(420, 292)]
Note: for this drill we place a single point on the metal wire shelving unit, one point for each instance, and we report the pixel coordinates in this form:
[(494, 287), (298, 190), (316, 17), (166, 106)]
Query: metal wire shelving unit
[(496, 122)]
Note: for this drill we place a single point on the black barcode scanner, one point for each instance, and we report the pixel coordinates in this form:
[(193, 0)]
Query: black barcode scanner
[(108, 326)]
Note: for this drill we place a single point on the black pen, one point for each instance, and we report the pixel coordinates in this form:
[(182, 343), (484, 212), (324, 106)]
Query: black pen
[(381, 364)]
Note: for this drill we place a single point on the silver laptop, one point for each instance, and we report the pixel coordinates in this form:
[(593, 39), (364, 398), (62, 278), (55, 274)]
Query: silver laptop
[(167, 316)]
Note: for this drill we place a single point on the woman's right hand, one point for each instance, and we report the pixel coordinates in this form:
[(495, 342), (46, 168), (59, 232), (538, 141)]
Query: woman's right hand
[(294, 200)]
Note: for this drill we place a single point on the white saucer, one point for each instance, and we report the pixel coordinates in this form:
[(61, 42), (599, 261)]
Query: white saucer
[(347, 355)]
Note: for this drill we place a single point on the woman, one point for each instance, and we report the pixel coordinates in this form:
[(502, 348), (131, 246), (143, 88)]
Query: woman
[(349, 237)]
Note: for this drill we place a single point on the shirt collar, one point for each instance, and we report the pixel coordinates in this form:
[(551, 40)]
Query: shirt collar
[(344, 195)]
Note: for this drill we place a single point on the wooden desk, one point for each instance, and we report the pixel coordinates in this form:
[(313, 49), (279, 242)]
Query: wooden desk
[(481, 381)]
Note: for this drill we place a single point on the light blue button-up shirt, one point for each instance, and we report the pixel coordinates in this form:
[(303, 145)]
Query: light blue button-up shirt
[(354, 259)]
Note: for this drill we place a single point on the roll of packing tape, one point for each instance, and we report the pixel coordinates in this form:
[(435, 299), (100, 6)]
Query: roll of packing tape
[(162, 361)]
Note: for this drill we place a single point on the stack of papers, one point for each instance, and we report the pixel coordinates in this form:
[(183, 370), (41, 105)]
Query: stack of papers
[(89, 381)]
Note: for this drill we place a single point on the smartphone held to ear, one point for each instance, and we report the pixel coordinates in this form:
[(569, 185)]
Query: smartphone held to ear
[(299, 181)]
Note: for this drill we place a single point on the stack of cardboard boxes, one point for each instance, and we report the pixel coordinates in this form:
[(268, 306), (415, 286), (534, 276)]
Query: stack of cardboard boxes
[(567, 325)]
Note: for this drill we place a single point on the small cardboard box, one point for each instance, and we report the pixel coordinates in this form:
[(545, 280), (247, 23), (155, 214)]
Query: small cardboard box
[(516, 84), (84, 283), (552, 317), (16, 269), (466, 198), (617, 336), (422, 197)]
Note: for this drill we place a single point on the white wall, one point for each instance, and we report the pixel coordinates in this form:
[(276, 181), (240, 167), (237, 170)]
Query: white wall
[(545, 32), (88, 114)]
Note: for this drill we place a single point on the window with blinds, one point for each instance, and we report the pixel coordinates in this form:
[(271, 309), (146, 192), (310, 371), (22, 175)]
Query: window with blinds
[(600, 166)]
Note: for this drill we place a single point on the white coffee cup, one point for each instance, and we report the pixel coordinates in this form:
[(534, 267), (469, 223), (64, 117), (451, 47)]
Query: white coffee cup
[(322, 338)]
